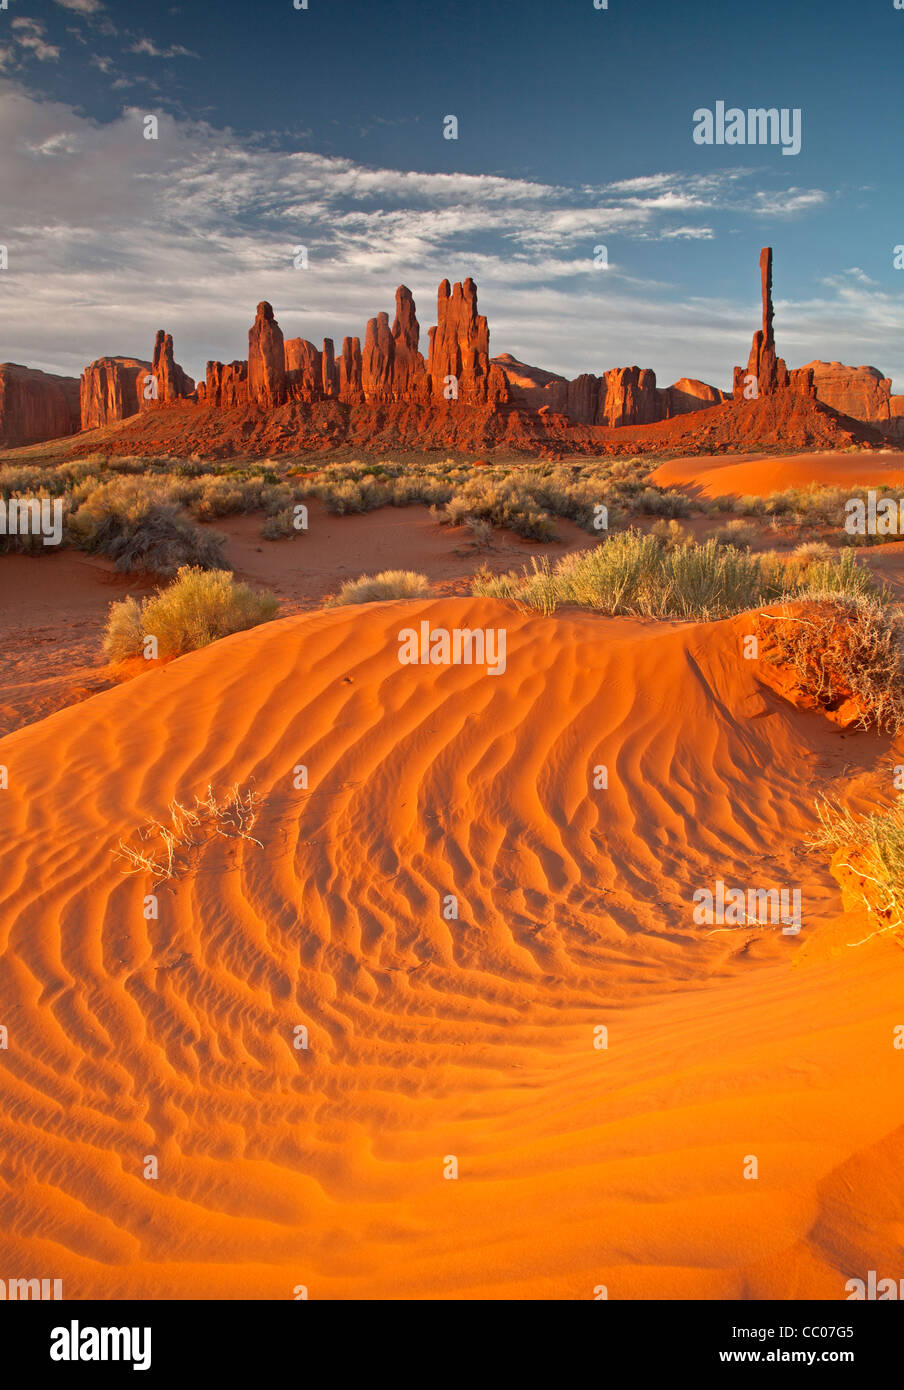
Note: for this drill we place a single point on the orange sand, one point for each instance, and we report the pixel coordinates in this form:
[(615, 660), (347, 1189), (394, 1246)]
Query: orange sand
[(431, 1037), (756, 476)]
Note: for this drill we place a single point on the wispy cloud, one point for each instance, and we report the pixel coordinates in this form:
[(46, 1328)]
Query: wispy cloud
[(151, 50), (29, 35)]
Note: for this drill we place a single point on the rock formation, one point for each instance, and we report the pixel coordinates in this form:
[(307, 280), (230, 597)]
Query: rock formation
[(112, 389), (457, 397), (226, 384), (35, 405), (861, 392), (350, 372), (459, 364), (628, 397), (765, 372), (170, 382), (329, 369), (409, 371), (377, 360), (621, 396), (266, 360), (304, 369), (689, 394)]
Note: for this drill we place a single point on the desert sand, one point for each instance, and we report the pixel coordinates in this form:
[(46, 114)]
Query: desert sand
[(54, 607), (756, 475), (429, 1037)]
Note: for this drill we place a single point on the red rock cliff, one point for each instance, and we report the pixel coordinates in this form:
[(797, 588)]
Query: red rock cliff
[(35, 405), (111, 389)]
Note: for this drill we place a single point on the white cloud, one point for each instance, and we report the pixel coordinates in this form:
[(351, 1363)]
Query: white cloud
[(29, 34), (150, 50), (81, 6)]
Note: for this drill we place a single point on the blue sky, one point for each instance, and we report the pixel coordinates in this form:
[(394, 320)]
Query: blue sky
[(324, 128)]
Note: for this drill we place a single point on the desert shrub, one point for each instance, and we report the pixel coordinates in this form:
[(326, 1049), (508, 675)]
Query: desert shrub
[(227, 497), (164, 542), (749, 506), (402, 492), (490, 585), (841, 573), (387, 585), (637, 573), (198, 608), (808, 551), (503, 502), (31, 541), (670, 533), (232, 495), (481, 532), (655, 502), (138, 523), (124, 633), (16, 481), (279, 526), (736, 532), (351, 495), (841, 647), (875, 845)]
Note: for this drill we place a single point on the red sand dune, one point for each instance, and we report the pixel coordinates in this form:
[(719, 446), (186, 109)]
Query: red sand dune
[(430, 1037), (756, 476)]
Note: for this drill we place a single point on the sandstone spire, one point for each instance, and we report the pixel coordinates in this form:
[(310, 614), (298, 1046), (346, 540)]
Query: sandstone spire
[(266, 359)]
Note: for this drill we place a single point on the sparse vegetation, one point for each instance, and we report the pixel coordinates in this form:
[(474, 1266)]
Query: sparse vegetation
[(737, 532), (198, 608), (641, 574), (389, 584), (842, 647), (671, 534), (139, 523), (875, 852), (165, 849)]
